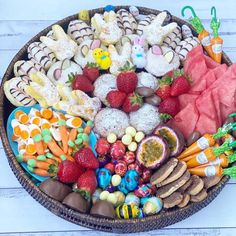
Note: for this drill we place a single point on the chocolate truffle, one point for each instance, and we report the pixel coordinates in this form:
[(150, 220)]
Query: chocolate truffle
[(77, 202), (103, 209), (55, 189)]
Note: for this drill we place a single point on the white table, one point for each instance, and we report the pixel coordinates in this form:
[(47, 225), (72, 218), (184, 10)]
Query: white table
[(22, 215)]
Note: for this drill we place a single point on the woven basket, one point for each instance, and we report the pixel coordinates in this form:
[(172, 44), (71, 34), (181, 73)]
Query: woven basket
[(161, 220)]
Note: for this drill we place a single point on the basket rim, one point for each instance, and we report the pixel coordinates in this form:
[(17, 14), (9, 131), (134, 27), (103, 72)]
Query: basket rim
[(87, 220)]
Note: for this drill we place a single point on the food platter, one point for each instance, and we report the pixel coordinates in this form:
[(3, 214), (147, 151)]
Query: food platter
[(163, 219)]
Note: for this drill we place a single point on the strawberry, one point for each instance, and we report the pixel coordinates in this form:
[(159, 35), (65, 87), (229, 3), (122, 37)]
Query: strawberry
[(102, 146), (132, 102), (127, 79), (81, 82), (86, 158), (164, 90), (180, 86), (170, 106), (91, 71), (68, 172), (116, 98), (87, 184)]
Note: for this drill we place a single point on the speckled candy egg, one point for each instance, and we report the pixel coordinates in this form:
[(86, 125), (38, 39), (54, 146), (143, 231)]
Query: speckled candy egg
[(152, 206), (146, 175), (117, 150), (122, 187), (131, 179), (135, 166), (129, 157), (103, 177), (121, 168), (111, 167), (131, 198), (143, 190)]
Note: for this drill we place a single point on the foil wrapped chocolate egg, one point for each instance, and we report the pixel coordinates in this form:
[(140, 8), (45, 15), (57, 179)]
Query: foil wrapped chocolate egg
[(131, 180), (131, 198), (120, 197), (146, 175), (143, 200), (129, 157), (103, 178), (135, 166), (127, 211), (103, 160), (110, 188), (152, 206), (143, 190), (111, 167), (120, 168), (122, 188)]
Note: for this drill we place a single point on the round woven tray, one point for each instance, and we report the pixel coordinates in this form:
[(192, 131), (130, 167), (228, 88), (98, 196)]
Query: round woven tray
[(161, 220)]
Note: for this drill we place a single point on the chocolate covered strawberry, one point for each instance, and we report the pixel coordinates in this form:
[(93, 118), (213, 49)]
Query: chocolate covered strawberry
[(116, 98), (127, 79), (170, 106), (86, 158), (180, 86), (132, 102), (68, 172), (91, 71), (87, 184)]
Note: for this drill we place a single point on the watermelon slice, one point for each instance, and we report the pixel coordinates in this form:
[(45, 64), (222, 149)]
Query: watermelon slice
[(210, 63), (220, 70), (186, 99), (215, 97), (226, 110), (206, 125), (185, 120)]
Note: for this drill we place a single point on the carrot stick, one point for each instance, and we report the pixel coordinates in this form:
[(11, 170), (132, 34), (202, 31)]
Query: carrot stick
[(73, 134), (202, 158), (41, 164), (207, 171), (40, 172), (50, 156), (38, 142), (204, 142), (25, 157), (64, 135), (87, 129)]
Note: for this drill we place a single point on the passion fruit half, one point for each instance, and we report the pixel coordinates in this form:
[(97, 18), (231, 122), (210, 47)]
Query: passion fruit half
[(173, 137), (152, 152)]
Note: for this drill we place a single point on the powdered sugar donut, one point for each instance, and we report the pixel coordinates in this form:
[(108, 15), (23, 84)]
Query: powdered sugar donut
[(111, 120)]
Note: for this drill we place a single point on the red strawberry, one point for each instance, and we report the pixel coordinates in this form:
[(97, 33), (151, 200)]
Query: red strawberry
[(170, 106), (69, 172), (91, 71), (127, 79), (132, 102), (102, 146), (81, 82), (86, 158), (116, 98), (164, 90), (180, 86), (87, 183)]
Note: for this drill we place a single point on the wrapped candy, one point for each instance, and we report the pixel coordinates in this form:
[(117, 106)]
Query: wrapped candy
[(103, 160), (122, 187), (143, 190), (129, 157), (152, 206), (127, 211), (111, 188), (103, 178), (131, 198), (135, 166), (146, 175), (120, 197), (111, 167), (131, 179), (120, 168), (143, 200)]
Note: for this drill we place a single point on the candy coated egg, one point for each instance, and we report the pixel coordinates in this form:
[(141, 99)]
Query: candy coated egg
[(111, 138), (115, 180), (112, 198), (131, 130), (120, 197), (126, 139), (104, 195), (139, 136), (132, 199), (103, 177), (132, 146), (152, 206), (131, 179)]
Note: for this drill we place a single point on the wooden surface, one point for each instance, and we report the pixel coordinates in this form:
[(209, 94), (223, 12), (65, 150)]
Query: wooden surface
[(22, 215)]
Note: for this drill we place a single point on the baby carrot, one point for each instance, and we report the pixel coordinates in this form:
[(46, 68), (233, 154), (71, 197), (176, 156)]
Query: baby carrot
[(207, 171), (50, 156), (41, 164), (73, 134), (64, 135), (40, 172), (87, 129), (202, 158), (25, 157), (204, 142), (38, 142)]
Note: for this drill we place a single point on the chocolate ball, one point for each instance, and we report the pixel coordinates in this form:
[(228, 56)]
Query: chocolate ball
[(103, 209), (55, 189), (77, 202)]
